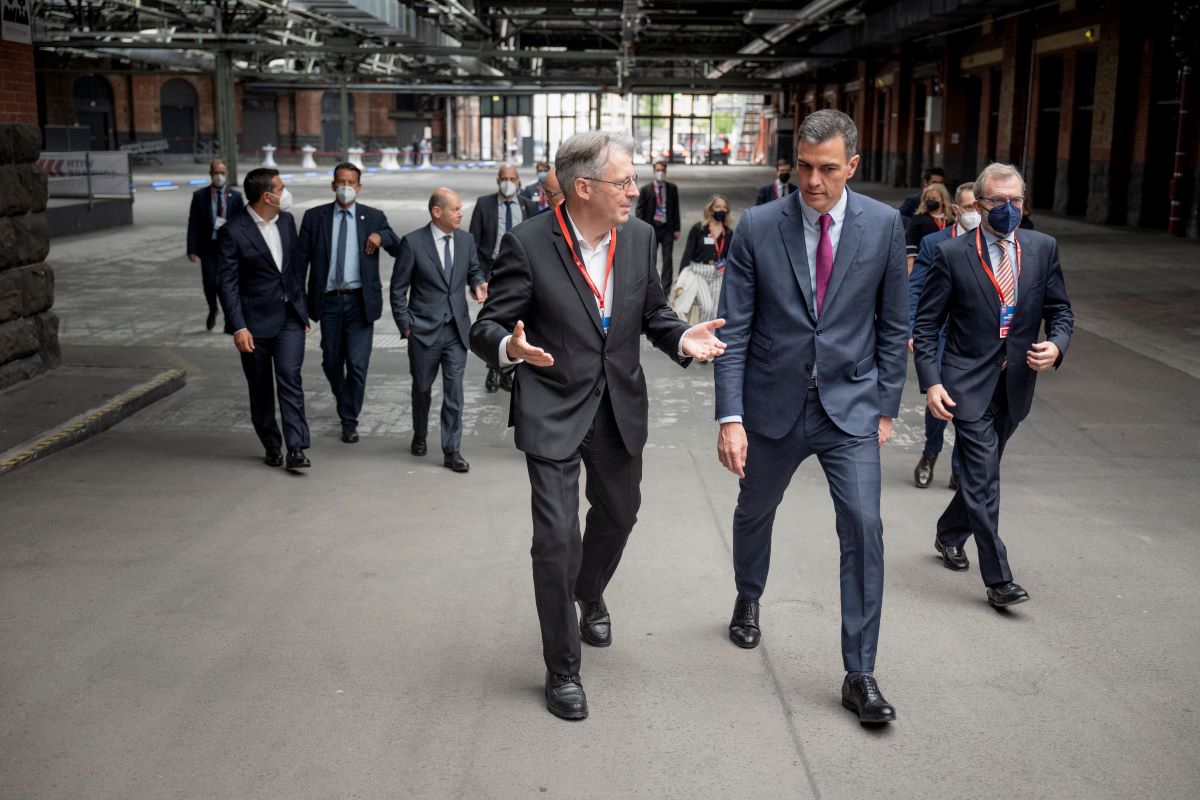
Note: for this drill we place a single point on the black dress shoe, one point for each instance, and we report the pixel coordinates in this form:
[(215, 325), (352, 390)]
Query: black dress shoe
[(296, 459), (493, 381), (1005, 594), (595, 626), (743, 628), (456, 462), (418, 446), (273, 458), (564, 696), (923, 474), (211, 321), (506, 379), (953, 558), (954, 481), (349, 435), (862, 696)]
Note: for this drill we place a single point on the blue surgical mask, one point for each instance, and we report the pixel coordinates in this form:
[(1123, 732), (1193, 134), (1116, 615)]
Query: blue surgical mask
[(1004, 219)]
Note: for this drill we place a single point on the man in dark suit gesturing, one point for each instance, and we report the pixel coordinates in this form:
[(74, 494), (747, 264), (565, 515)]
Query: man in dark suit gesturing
[(340, 245), (572, 292), (815, 296), (261, 283), (212, 207), (436, 265), (994, 291)]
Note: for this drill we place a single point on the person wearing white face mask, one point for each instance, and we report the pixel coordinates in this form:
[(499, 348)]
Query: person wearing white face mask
[(658, 204), (261, 286), (537, 192), (212, 205), (340, 243), (494, 216), (965, 211)]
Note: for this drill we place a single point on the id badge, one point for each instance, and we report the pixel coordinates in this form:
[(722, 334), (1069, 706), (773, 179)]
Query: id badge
[(709, 240), (660, 217), (720, 265), (604, 323), (1006, 318), (218, 223)]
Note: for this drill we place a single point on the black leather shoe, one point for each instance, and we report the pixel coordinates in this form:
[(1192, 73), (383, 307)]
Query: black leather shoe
[(296, 459), (1006, 594), (273, 458), (743, 628), (506, 379), (923, 474), (954, 481), (862, 696), (953, 558), (456, 462), (418, 446), (565, 698), (211, 321), (595, 626), (349, 435), (493, 381)]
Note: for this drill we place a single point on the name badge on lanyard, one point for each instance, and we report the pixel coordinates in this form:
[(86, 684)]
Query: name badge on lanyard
[(605, 314), (1006, 312)]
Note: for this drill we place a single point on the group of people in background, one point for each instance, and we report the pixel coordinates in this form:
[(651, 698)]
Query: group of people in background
[(815, 294)]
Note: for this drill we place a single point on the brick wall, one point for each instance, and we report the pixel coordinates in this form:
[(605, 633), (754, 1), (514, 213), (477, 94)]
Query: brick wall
[(18, 88)]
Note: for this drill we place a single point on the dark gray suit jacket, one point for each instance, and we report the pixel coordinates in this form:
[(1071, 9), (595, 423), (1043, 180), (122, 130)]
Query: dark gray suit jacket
[(536, 280), (486, 226), (858, 349), (422, 299)]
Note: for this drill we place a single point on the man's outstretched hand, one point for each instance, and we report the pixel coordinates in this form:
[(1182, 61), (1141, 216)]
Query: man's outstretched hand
[(701, 343), (519, 349)]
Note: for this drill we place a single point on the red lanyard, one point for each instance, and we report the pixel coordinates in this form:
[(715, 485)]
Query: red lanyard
[(719, 244), (941, 223), (953, 231), (612, 251), (992, 277)]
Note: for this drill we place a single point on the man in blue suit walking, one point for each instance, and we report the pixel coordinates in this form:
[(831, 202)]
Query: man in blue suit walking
[(816, 324)]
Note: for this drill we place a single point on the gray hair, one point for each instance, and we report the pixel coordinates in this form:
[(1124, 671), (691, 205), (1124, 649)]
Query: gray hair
[(586, 154), (996, 170), (963, 187), (821, 126)]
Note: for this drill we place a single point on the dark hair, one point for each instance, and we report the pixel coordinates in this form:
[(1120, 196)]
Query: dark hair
[(826, 124), (779, 162), (258, 182), (349, 166), (929, 173), (660, 163)]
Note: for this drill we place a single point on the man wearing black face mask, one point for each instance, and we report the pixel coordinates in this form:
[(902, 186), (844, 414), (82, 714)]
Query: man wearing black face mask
[(995, 290), (781, 186)]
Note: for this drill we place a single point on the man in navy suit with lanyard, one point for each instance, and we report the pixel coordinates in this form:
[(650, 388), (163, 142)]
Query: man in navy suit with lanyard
[(994, 292), (212, 206)]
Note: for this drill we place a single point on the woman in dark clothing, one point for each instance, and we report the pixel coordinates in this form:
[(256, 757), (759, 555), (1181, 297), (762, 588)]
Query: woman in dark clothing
[(932, 215), (703, 262)]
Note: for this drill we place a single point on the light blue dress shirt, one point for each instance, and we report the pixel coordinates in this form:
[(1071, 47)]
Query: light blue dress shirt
[(353, 276)]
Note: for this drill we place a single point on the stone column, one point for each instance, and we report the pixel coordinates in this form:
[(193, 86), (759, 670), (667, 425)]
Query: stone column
[(28, 329)]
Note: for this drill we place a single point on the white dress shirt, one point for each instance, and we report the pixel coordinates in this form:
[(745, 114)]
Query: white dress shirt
[(270, 234), (518, 216), (439, 244)]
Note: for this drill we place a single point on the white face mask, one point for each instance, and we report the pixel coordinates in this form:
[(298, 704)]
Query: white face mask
[(660, 176), (285, 200), (346, 195), (218, 180), (969, 220), (508, 188), (542, 176)]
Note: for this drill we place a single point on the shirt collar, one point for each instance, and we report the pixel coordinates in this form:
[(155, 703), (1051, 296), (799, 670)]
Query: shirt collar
[(259, 220), (579, 236), (991, 239), (353, 209), (438, 234), (838, 212)]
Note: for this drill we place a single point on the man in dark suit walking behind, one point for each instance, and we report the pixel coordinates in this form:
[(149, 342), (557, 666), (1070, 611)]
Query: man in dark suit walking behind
[(994, 291), (572, 293), (212, 207), (340, 245), (658, 205), (436, 266), (815, 294), (261, 281), (782, 186)]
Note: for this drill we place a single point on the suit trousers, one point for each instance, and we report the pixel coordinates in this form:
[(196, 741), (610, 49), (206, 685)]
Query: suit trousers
[(851, 465), (666, 242), (564, 566), (208, 275), (346, 339), (449, 353), (275, 365), (975, 507)]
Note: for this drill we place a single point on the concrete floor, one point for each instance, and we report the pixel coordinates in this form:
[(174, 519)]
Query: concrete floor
[(176, 620)]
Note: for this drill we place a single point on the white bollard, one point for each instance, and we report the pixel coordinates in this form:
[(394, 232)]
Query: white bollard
[(309, 162), (356, 154), (269, 156), (426, 153), (389, 162)]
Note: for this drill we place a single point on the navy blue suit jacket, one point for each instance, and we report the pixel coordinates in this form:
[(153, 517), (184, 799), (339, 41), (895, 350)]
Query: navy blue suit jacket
[(201, 218), (920, 270), (958, 292), (858, 349), (486, 225), (254, 293), (766, 194), (316, 237), (422, 299)]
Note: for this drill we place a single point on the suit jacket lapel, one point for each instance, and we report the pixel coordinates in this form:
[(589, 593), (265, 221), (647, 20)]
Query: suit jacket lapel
[(436, 257), (622, 268), (254, 235), (1026, 276), (985, 284), (581, 287), (848, 242), (792, 230)]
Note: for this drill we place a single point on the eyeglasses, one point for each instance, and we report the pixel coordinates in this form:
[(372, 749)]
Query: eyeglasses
[(624, 185), (1017, 201)]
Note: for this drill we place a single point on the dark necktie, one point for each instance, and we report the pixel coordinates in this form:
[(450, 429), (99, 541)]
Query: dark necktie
[(447, 259), (824, 261), (339, 270), (220, 202), (507, 216)]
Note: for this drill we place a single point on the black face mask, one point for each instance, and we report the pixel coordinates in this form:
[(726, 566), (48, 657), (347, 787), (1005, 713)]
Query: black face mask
[(784, 177), (933, 205), (719, 216)]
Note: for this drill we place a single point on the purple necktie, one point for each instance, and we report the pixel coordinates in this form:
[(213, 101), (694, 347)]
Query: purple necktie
[(824, 261)]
